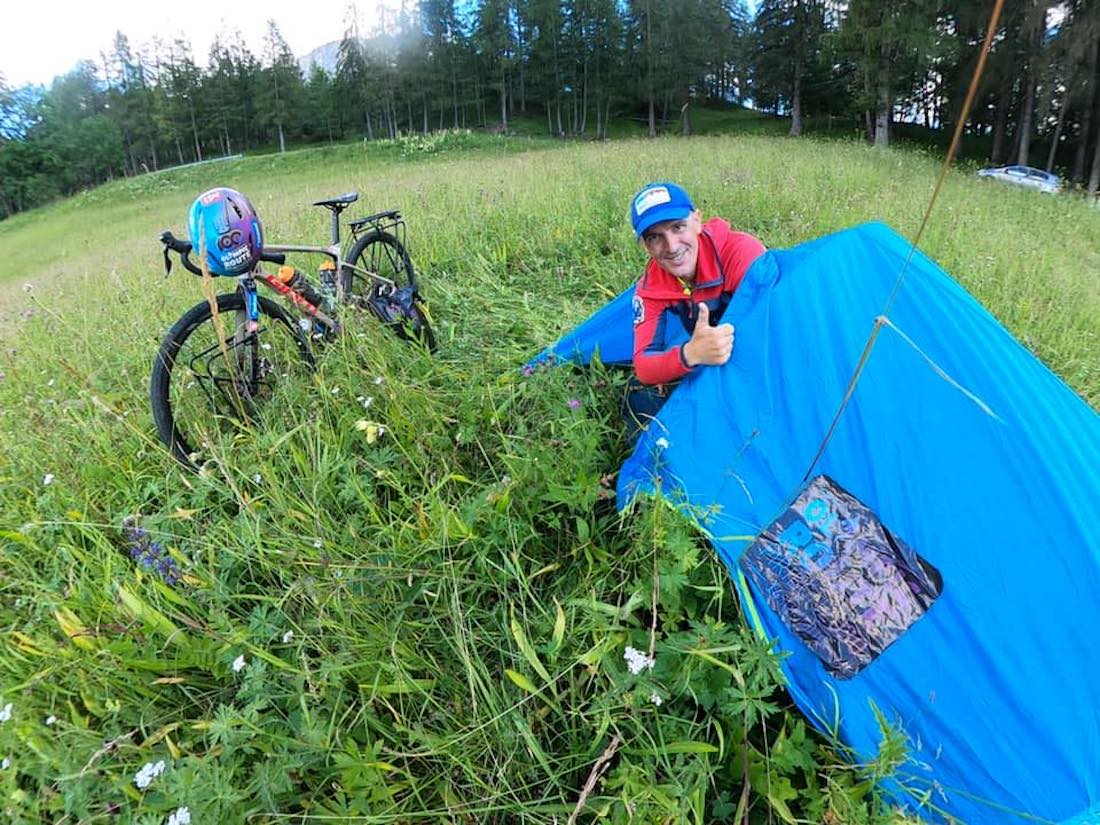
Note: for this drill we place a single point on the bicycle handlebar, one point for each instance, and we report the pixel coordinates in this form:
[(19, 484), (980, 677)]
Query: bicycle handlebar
[(183, 248)]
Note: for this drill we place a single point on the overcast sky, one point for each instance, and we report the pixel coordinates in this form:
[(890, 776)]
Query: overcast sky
[(40, 39)]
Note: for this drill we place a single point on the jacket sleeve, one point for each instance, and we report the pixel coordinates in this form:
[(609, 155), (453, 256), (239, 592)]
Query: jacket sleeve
[(651, 364)]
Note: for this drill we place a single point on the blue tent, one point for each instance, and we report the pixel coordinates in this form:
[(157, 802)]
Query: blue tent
[(940, 562)]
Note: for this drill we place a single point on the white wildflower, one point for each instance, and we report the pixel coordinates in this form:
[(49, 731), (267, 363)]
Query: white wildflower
[(662, 443), (149, 771), (656, 699), (305, 324), (378, 379), (47, 479), (335, 390), (181, 816), (637, 661), (5, 712), (288, 636), (238, 664), (318, 544), (5, 764), (366, 401), (51, 720), (50, 383), (257, 478)]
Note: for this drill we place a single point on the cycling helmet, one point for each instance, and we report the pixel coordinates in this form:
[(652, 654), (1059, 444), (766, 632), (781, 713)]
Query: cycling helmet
[(224, 221)]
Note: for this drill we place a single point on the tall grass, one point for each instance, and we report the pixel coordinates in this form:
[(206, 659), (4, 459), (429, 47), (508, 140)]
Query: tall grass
[(432, 621)]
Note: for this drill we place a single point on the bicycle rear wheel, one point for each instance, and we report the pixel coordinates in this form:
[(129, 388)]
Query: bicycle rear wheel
[(378, 277), (205, 386)]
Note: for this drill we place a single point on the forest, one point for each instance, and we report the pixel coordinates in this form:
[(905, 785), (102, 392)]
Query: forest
[(574, 70)]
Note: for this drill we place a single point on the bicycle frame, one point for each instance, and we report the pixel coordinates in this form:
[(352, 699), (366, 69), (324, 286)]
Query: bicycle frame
[(246, 283), (333, 251)]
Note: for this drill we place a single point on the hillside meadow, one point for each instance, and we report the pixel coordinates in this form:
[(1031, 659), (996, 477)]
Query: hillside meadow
[(427, 625)]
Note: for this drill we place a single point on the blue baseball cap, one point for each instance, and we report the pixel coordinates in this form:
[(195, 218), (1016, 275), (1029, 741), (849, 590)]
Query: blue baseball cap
[(656, 202)]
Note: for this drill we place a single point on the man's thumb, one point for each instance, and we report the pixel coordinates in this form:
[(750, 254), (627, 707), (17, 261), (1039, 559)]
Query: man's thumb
[(704, 314)]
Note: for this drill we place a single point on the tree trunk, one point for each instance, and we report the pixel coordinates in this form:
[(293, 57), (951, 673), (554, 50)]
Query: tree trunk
[(796, 103), (1086, 114), (1000, 124), (1058, 130), (584, 101), (652, 116), (685, 119), (1093, 185), (454, 92), (1027, 112), (503, 102), (883, 108), (195, 129)]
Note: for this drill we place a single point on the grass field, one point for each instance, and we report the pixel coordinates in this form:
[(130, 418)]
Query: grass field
[(432, 622)]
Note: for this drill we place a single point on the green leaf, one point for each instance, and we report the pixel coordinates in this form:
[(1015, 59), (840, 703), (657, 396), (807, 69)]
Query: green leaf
[(528, 650), (559, 628), (521, 681), (685, 746)]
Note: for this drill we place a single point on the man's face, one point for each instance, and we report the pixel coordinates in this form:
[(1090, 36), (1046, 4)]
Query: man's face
[(674, 245)]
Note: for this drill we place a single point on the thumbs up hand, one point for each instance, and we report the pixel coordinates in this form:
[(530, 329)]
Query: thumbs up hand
[(708, 345)]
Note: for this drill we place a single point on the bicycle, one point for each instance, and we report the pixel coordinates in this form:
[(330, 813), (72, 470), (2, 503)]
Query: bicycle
[(214, 373)]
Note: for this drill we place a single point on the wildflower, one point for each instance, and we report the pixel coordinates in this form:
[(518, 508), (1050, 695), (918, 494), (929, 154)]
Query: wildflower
[(5, 712), (51, 720), (257, 478), (5, 764), (637, 661), (318, 543), (372, 429), (181, 816), (288, 637), (28, 287), (528, 370), (50, 383), (149, 554), (366, 401), (662, 443), (574, 403), (47, 479), (335, 390), (377, 379), (656, 699), (239, 663), (305, 324), (149, 771)]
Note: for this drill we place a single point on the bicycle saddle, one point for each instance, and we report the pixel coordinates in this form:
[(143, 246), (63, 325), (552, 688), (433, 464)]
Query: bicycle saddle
[(339, 202)]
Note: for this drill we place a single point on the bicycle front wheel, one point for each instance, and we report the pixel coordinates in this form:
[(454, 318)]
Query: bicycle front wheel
[(212, 375), (378, 277)]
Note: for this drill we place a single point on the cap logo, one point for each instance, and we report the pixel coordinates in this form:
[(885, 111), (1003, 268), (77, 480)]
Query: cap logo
[(654, 196)]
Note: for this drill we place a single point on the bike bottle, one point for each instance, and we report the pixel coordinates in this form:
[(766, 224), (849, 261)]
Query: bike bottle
[(327, 273), (299, 283)]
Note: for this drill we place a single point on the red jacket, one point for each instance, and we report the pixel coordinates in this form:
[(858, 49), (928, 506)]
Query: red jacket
[(664, 310)]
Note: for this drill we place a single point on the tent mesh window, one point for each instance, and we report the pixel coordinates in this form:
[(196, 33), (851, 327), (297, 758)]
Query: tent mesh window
[(838, 578)]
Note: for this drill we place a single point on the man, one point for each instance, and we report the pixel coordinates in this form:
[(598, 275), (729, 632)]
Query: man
[(694, 269)]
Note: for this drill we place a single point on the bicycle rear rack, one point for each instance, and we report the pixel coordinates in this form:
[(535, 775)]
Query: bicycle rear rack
[(389, 221)]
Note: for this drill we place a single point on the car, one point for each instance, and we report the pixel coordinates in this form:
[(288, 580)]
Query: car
[(1027, 176)]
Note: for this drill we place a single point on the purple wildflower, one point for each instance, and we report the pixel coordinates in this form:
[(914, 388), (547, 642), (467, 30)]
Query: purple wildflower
[(528, 370), (574, 403), (149, 554)]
